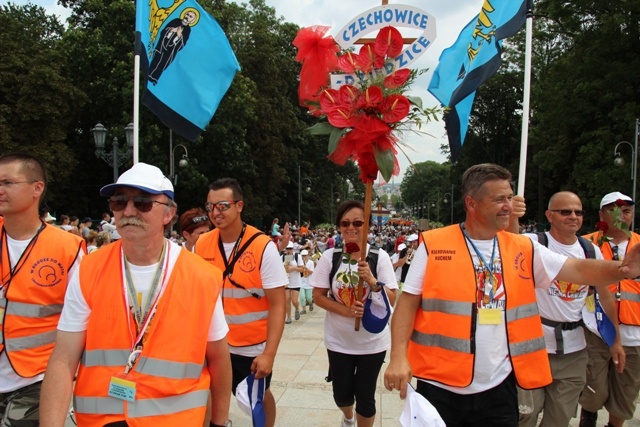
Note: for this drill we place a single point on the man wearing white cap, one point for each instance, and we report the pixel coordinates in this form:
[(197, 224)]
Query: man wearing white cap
[(306, 290), (294, 266), (606, 387), (412, 241), (144, 322)]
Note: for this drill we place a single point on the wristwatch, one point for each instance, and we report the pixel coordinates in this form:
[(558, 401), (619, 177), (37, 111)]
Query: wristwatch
[(226, 424), (377, 287)]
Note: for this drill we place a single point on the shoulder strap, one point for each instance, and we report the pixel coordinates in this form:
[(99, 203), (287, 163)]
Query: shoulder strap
[(232, 264), (335, 263), (542, 238), (372, 260), (587, 247)]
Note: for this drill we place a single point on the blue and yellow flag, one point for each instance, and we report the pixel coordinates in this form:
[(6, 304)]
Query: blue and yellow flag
[(472, 60), (187, 62)]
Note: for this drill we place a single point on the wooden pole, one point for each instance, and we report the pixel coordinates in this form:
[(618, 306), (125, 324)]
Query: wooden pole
[(363, 242)]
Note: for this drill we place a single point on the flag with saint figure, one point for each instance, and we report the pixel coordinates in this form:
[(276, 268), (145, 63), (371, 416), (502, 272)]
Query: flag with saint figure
[(187, 62), (472, 60)]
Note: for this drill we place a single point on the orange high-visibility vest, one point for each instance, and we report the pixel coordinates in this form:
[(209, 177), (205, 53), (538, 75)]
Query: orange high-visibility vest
[(172, 380), (627, 292), (34, 296), (442, 346), (246, 315)]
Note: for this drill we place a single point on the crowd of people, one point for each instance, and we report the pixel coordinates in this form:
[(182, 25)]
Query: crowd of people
[(141, 329)]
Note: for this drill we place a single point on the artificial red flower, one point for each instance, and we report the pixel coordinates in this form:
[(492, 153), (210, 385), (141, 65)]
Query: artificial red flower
[(341, 117), (621, 203), (602, 226), (367, 57), (329, 100), (351, 247), (372, 98), (397, 78), (395, 108), (348, 62), (348, 94), (389, 42)]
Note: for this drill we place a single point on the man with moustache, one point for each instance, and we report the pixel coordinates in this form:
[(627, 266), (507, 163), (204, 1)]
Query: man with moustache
[(143, 319), (253, 291)]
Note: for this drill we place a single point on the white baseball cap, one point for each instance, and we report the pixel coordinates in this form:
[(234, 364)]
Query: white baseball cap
[(614, 197), (144, 177), (412, 238), (249, 395), (304, 252), (401, 246), (290, 245)]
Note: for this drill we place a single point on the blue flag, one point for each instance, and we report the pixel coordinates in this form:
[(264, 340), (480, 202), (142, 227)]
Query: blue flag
[(187, 62), (472, 60)]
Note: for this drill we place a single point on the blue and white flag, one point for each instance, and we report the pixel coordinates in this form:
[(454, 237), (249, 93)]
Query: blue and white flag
[(187, 62), (472, 60)]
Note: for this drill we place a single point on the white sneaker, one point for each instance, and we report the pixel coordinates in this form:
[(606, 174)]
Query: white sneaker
[(348, 423)]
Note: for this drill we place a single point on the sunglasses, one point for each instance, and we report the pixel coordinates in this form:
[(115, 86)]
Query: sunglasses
[(141, 203), (221, 206), (568, 212), (197, 219), (346, 223)]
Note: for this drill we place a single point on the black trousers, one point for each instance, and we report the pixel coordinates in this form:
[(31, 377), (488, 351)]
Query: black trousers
[(496, 407)]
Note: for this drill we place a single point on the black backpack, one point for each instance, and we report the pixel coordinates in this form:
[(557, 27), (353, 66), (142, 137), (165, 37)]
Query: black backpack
[(372, 260), (587, 245)]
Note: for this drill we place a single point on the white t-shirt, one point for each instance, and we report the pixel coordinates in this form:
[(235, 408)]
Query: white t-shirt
[(294, 276), (339, 333), (562, 301), (76, 311), (273, 275), (492, 364), (9, 380), (304, 281)]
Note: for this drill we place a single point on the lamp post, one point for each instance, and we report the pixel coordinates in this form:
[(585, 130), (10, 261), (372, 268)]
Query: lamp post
[(451, 199), (619, 161), (118, 155), (308, 188), (184, 161), (335, 196)]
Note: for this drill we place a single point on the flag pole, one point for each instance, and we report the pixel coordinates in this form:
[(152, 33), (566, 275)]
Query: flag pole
[(525, 101), (136, 95), (363, 242)]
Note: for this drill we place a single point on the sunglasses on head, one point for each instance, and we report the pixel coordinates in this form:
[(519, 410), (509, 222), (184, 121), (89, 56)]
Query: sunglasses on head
[(197, 219), (221, 206), (568, 212), (346, 223), (141, 203)]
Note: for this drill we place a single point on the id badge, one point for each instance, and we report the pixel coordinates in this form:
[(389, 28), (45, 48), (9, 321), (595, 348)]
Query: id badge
[(591, 303), (490, 316), (122, 389)]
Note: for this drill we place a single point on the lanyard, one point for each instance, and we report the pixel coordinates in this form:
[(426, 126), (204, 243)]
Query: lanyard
[(488, 291), (13, 271), (234, 252), (143, 317)]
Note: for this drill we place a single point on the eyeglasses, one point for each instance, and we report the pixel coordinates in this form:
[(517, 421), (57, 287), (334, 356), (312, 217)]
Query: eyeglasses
[(198, 219), (568, 212), (9, 184), (346, 223), (221, 206), (141, 203)]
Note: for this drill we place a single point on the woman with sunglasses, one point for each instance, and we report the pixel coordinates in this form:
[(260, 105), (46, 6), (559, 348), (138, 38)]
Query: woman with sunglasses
[(193, 223), (355, 357)]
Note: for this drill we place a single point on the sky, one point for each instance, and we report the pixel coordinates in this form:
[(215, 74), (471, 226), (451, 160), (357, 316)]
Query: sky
[(450, 18)]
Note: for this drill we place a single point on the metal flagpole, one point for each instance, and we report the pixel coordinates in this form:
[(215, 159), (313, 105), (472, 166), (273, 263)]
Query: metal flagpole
[(525, 101)]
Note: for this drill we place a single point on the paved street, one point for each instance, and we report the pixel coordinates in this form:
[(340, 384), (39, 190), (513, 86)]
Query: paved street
[(304, 398)]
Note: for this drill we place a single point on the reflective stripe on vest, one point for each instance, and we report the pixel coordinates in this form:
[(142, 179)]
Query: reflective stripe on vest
[(141, 408), (436, 340), (449, 307), (242, 293), (32, 310), (246, 318), (91, 358), (522, 312), (526, 347), (146, 365), (629, 296), (32, 341)]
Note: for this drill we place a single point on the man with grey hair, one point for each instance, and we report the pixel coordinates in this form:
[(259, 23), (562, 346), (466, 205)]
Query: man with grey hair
[(143, 320), (466, 342)]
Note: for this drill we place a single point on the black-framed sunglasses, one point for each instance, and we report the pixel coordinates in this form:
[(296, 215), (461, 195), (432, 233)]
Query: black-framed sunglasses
[(568, 212), (141, 203), (346, 223), (198, 219), (221, 206)]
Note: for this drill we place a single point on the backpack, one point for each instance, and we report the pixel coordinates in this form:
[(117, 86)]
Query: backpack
[(587, 245), (372, 260)]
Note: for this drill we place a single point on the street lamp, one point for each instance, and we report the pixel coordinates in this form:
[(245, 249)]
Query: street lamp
[(619, 161), (450, 198), (183, 162), (118, 156), (334, 196), (307, 189)]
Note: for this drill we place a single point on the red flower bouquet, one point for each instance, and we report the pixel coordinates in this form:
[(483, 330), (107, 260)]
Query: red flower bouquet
[(360, 117)]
